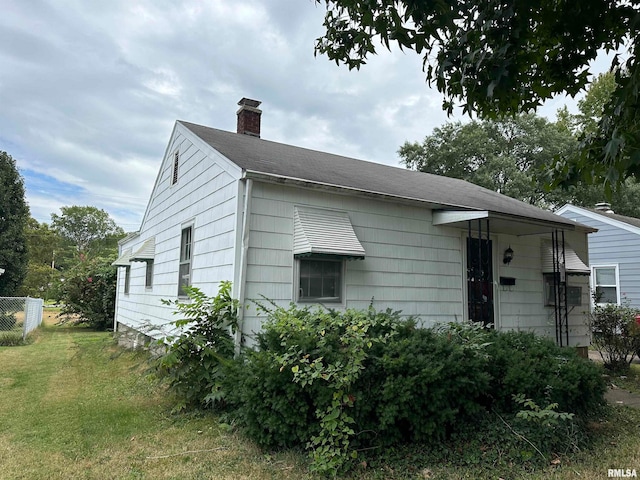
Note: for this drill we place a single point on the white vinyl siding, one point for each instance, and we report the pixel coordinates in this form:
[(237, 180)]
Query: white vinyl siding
[(205, 197), (409, 264)]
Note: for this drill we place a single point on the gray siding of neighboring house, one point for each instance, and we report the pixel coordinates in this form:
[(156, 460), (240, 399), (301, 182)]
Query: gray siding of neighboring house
[(612, 245)]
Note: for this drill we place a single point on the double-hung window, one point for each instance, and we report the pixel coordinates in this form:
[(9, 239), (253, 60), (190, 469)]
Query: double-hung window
[(148, 277), (184, 271), (606, 284)]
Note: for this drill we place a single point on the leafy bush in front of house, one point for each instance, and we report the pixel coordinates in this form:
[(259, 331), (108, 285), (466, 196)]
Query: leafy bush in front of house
[(198, 360), (339, 383), (616, 334), (301, 385), (523, 363), (422, 383), (88, 293)]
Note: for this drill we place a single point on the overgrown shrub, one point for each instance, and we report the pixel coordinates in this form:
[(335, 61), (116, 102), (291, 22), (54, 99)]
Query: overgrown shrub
[(11, 339), (616, 335), (339, 383), (301, 385), (523, 363), (88, 293), (196, 360), (421, 383), (7, 321)]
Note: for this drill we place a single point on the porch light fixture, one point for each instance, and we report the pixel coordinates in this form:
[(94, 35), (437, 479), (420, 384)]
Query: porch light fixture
[(508, 256)]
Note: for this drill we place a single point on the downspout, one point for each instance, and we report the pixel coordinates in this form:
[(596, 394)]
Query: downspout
[(243, 261)]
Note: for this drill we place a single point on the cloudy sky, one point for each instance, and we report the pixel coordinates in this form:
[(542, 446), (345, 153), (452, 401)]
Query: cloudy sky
[(90, 90)]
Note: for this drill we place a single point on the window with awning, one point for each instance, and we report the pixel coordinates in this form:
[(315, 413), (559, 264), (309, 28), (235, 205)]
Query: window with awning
[(572, 263), (124, 259), (323, 240), (146, 252), (324, 232)]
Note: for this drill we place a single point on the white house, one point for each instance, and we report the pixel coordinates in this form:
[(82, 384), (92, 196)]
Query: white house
[(297, 225), (614, 252)]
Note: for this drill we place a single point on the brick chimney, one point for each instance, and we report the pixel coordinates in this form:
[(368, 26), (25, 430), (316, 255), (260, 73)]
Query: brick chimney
[(249, 117)]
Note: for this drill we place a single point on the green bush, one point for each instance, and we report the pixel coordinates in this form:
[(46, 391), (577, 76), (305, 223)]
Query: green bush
[(421, 383), (616, 334), (7, 321), (198, 360), (11, 339), (88, 293), (523, 363), (339, 383)]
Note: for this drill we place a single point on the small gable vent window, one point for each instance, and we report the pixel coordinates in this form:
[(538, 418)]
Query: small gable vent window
[(176, 161)]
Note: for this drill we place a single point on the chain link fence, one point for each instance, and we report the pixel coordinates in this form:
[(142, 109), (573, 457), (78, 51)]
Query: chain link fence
[(20, 315)]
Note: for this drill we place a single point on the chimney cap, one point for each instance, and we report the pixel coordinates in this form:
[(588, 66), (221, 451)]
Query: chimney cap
[(604, 207), (249, 102)]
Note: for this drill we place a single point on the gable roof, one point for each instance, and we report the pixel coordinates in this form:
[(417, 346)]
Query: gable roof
[(281, 161), (620, 218), (631, 224)]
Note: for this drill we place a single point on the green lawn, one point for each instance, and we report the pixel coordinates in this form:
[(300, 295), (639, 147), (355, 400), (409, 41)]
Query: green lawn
[(73, 405)]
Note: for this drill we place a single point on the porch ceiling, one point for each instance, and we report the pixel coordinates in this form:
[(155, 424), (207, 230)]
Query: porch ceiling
[(499, 222)]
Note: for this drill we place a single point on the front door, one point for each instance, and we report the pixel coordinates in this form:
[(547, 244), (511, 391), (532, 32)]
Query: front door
[(480, 281)]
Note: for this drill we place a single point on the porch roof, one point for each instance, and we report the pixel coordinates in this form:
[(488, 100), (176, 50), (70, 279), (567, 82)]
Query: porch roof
[(505, 223)]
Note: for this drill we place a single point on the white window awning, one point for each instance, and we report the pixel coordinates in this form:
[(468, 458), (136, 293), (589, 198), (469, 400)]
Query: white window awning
[(573, 264), (146, 252), (123, 260), (324, 232)]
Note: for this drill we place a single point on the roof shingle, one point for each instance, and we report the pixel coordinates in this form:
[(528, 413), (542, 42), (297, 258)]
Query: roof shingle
[(280, 160)]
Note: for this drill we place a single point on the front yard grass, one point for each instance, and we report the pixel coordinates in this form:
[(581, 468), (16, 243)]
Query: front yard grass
[(74, 405)]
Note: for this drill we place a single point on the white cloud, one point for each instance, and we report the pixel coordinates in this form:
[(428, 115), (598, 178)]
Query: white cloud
[(89, 91)]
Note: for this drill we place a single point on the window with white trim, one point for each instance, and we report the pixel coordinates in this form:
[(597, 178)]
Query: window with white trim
[(606, 284), (148, 277), (320, 279), (127, 279), (184, 272)]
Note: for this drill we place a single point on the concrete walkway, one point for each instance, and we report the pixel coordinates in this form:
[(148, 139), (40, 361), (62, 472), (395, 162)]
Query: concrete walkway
[(616, 395)]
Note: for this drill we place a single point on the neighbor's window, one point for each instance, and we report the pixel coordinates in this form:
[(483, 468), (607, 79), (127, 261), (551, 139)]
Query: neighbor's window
[(605, 284), (127, 279), (186, 243), (174, 178), (148, 278), (320, 280)]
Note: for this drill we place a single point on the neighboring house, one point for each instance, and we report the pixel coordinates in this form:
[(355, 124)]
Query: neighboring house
[(614, 252), (297, 225)]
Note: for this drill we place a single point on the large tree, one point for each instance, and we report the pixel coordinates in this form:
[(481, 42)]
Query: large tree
[(14, 214), (89, 229), (497, 57), (47, 254), (501, 155)]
